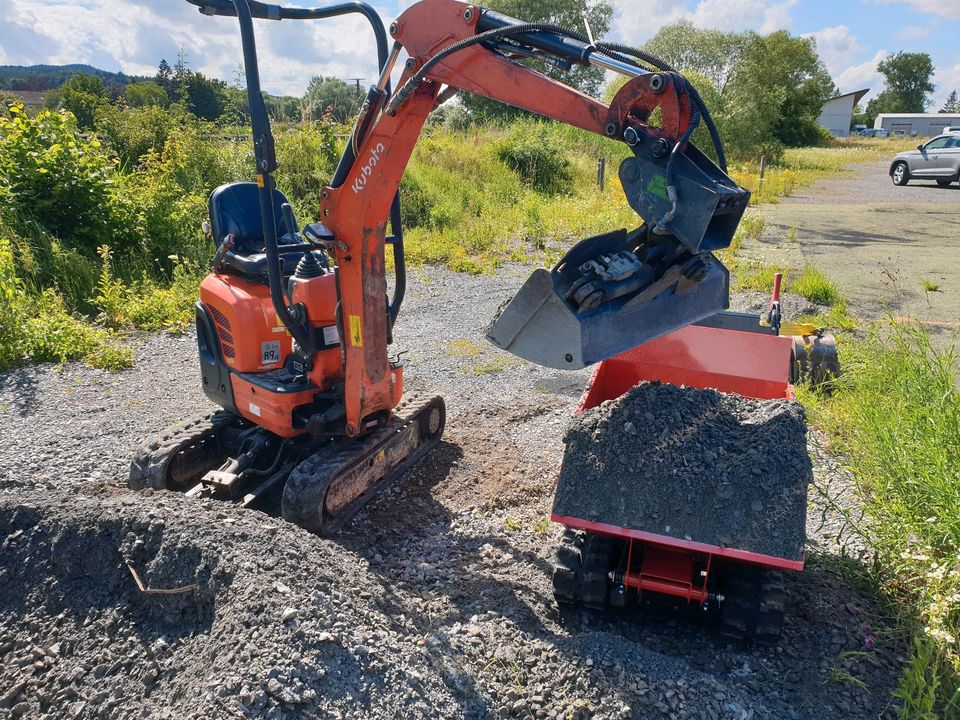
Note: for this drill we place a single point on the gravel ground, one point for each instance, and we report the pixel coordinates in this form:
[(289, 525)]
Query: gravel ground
[(691, 464), (434, 602)]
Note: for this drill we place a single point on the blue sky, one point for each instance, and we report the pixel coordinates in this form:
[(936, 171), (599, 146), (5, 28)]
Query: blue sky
[(132, 35)]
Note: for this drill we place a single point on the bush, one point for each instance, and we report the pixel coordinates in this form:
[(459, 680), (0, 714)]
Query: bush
[(42, 260), (131, 134), (59, 178), (11, 293), (169, 194), (42, 328), (528, 149), (307, 156), (147, 304)]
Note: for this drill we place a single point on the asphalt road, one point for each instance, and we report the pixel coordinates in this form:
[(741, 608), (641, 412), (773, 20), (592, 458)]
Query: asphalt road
[(880, 243)]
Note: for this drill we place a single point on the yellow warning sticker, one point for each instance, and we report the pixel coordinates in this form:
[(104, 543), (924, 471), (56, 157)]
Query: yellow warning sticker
[(259, 180), (356, 331)]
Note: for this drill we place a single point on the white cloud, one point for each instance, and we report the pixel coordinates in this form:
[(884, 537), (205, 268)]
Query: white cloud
[(837, 47), (913, 32), (946, 79), (863, 75), (635, 21), (730, 15), (133, 35), (943, 8)]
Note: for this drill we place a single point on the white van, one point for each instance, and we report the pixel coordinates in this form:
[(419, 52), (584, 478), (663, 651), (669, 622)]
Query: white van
[(951, 129)]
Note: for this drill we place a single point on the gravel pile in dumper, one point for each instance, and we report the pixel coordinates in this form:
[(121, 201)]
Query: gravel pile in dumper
[(691, 464)]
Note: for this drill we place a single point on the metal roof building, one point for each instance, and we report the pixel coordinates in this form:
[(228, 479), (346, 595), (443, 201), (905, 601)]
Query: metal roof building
[(837, 113), (926, 124)]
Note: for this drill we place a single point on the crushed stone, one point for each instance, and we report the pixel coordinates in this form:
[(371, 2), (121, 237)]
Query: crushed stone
[(691, 464)]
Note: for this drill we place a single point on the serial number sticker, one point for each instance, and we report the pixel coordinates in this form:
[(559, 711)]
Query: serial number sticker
[(255, 409), (331, 336), (269, 352), (356, 331)]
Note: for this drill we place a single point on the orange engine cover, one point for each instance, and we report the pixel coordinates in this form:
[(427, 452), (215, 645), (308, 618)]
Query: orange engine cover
[(251, 336)]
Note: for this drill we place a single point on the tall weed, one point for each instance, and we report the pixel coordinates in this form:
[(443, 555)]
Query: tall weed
[(895, 417)]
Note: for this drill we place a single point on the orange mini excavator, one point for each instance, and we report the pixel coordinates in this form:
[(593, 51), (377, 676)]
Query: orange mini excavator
[(294, 324)]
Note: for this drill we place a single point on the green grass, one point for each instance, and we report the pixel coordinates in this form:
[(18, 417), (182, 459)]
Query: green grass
[(816, 287), (929, 286), (895, 417)]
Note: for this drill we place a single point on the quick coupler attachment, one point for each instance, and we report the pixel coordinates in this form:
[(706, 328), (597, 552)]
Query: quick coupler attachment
[(695, 201), (608, 294)]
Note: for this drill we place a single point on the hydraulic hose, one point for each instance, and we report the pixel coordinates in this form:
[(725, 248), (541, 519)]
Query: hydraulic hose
[(659, 64), (622, 53)]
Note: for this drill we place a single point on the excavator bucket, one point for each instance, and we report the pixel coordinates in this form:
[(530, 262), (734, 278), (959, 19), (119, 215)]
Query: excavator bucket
[(601, 300), (615, 291)]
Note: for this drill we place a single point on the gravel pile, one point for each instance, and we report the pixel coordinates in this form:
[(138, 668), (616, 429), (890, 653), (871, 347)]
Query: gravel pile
[(263, 619), (691, 464)]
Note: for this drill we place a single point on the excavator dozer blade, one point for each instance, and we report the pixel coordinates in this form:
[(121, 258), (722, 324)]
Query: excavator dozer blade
[(545, 324)]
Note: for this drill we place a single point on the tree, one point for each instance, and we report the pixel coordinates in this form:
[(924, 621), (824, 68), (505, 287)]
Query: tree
[(330, 96), (952, 105), (568, 13), (764, 92), (788, 75), (146, 94), (203, 96), (164, 78), (710, 53), (82, 94), (907, 85)]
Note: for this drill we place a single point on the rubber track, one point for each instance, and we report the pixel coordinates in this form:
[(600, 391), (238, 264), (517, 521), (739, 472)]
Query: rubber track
[(305, 490), (581, 564), (754, 605), (150, 466)]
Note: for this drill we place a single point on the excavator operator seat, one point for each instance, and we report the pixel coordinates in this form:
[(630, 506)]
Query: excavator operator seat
[(235, 210)]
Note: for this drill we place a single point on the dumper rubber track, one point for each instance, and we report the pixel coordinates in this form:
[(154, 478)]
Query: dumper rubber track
[(178, 457), (581, 564), (754, 604)]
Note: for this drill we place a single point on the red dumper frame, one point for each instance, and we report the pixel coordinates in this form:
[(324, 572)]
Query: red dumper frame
[(744, 585)]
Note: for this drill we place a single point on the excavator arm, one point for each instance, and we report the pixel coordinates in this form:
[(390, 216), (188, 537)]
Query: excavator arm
[(609, 293)]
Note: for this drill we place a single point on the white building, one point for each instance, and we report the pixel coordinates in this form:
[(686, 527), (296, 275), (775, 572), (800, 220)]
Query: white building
[(837, 113), (924, 124)]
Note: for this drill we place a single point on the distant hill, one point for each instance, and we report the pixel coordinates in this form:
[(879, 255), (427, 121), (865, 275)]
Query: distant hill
[(38, 78)]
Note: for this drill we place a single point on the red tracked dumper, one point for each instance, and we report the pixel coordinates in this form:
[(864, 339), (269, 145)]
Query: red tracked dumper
[(601, 564)]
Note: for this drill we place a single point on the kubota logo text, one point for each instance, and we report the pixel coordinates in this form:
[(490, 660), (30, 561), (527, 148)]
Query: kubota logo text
[(367, 170)]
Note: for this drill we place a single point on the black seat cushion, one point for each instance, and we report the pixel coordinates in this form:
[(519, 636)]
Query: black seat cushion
[(235, 209)]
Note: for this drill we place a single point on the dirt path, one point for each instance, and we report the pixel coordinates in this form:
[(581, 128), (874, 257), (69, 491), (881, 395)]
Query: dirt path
[(877, 241), (435, 602)]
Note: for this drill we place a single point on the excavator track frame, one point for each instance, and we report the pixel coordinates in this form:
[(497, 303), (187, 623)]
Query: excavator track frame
[(179, 456), (186, 456), (328, 488)]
